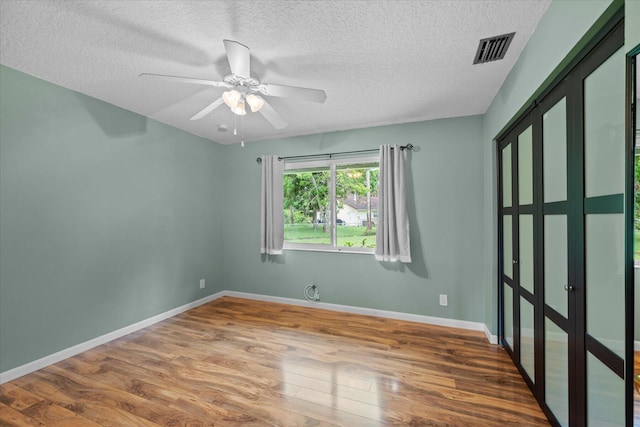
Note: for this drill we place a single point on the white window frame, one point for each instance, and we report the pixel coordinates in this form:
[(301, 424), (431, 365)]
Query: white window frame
[(333, 165)]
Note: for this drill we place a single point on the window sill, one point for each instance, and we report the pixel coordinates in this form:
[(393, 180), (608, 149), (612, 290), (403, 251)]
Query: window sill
[(363, 251)]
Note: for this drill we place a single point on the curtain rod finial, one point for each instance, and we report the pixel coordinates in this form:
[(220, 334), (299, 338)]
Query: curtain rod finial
[(259, 160)]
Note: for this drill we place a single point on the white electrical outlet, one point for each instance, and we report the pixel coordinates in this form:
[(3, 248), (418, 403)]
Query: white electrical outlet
[(201, 283), (443, 300)]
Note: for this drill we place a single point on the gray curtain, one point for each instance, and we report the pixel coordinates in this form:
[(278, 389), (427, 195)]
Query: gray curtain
[(271, 202), (392, 235)]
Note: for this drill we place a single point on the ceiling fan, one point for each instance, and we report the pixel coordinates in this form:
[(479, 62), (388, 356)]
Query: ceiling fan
[(244, 89)]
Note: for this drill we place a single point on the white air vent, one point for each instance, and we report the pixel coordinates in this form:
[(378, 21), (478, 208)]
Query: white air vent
[(493, 48)]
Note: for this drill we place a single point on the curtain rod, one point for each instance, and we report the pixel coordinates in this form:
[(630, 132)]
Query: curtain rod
[(330, 155)]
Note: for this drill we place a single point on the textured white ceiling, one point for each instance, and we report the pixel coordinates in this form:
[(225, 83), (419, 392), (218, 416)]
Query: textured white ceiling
[(380, 62)]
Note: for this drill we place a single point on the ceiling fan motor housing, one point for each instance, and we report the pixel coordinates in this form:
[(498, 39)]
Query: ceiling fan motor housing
[(249, 84)]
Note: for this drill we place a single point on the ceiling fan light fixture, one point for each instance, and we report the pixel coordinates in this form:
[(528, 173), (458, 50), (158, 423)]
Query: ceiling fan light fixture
[(231, 98), (241, 88), (255, 102), (239, 109)]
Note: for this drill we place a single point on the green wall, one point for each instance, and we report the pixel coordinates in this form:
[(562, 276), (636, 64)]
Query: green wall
[(106, 218), (446, 199), (632, 24), (559, 30)]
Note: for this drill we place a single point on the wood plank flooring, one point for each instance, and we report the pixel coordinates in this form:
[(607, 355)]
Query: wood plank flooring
[(239, 362)]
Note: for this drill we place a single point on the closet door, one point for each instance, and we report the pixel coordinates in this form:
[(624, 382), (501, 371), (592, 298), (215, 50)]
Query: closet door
[(563, 228), (601, 275), (517, 230), (558, 302), (507, 260), (525, 254)]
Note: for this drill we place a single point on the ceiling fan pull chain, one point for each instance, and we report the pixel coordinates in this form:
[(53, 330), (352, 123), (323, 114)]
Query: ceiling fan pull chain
[(241, 131)]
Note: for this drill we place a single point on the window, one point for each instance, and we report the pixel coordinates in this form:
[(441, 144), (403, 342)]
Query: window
[(331, 205)]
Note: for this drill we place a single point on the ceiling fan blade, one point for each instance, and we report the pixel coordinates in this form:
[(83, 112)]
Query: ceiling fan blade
[(206, 110), (239, 58), (179, 79), (272, 116), (301, 93)]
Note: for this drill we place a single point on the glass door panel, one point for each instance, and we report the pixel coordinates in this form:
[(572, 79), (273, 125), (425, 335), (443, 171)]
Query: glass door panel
[(604, 128), (556, 376), (507, 242), (506, 176), (525, 167), (508, 315), (527, 354), (605, 288), (555, 262), (554, 142), (525, 256), (605, 395)]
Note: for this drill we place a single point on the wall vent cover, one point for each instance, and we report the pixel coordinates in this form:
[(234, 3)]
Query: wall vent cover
[(493, 48)]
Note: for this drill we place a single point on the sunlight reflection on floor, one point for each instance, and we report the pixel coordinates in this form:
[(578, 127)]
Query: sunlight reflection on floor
[(330, 386)]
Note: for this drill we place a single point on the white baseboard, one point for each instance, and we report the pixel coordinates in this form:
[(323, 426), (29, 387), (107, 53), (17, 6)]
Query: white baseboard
[(636, 346), (418, 318), (14, 373), (493, 339), (103, 339)]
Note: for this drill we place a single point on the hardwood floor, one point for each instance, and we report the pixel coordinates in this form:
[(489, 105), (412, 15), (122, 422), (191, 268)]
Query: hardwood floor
[(240, 362)]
